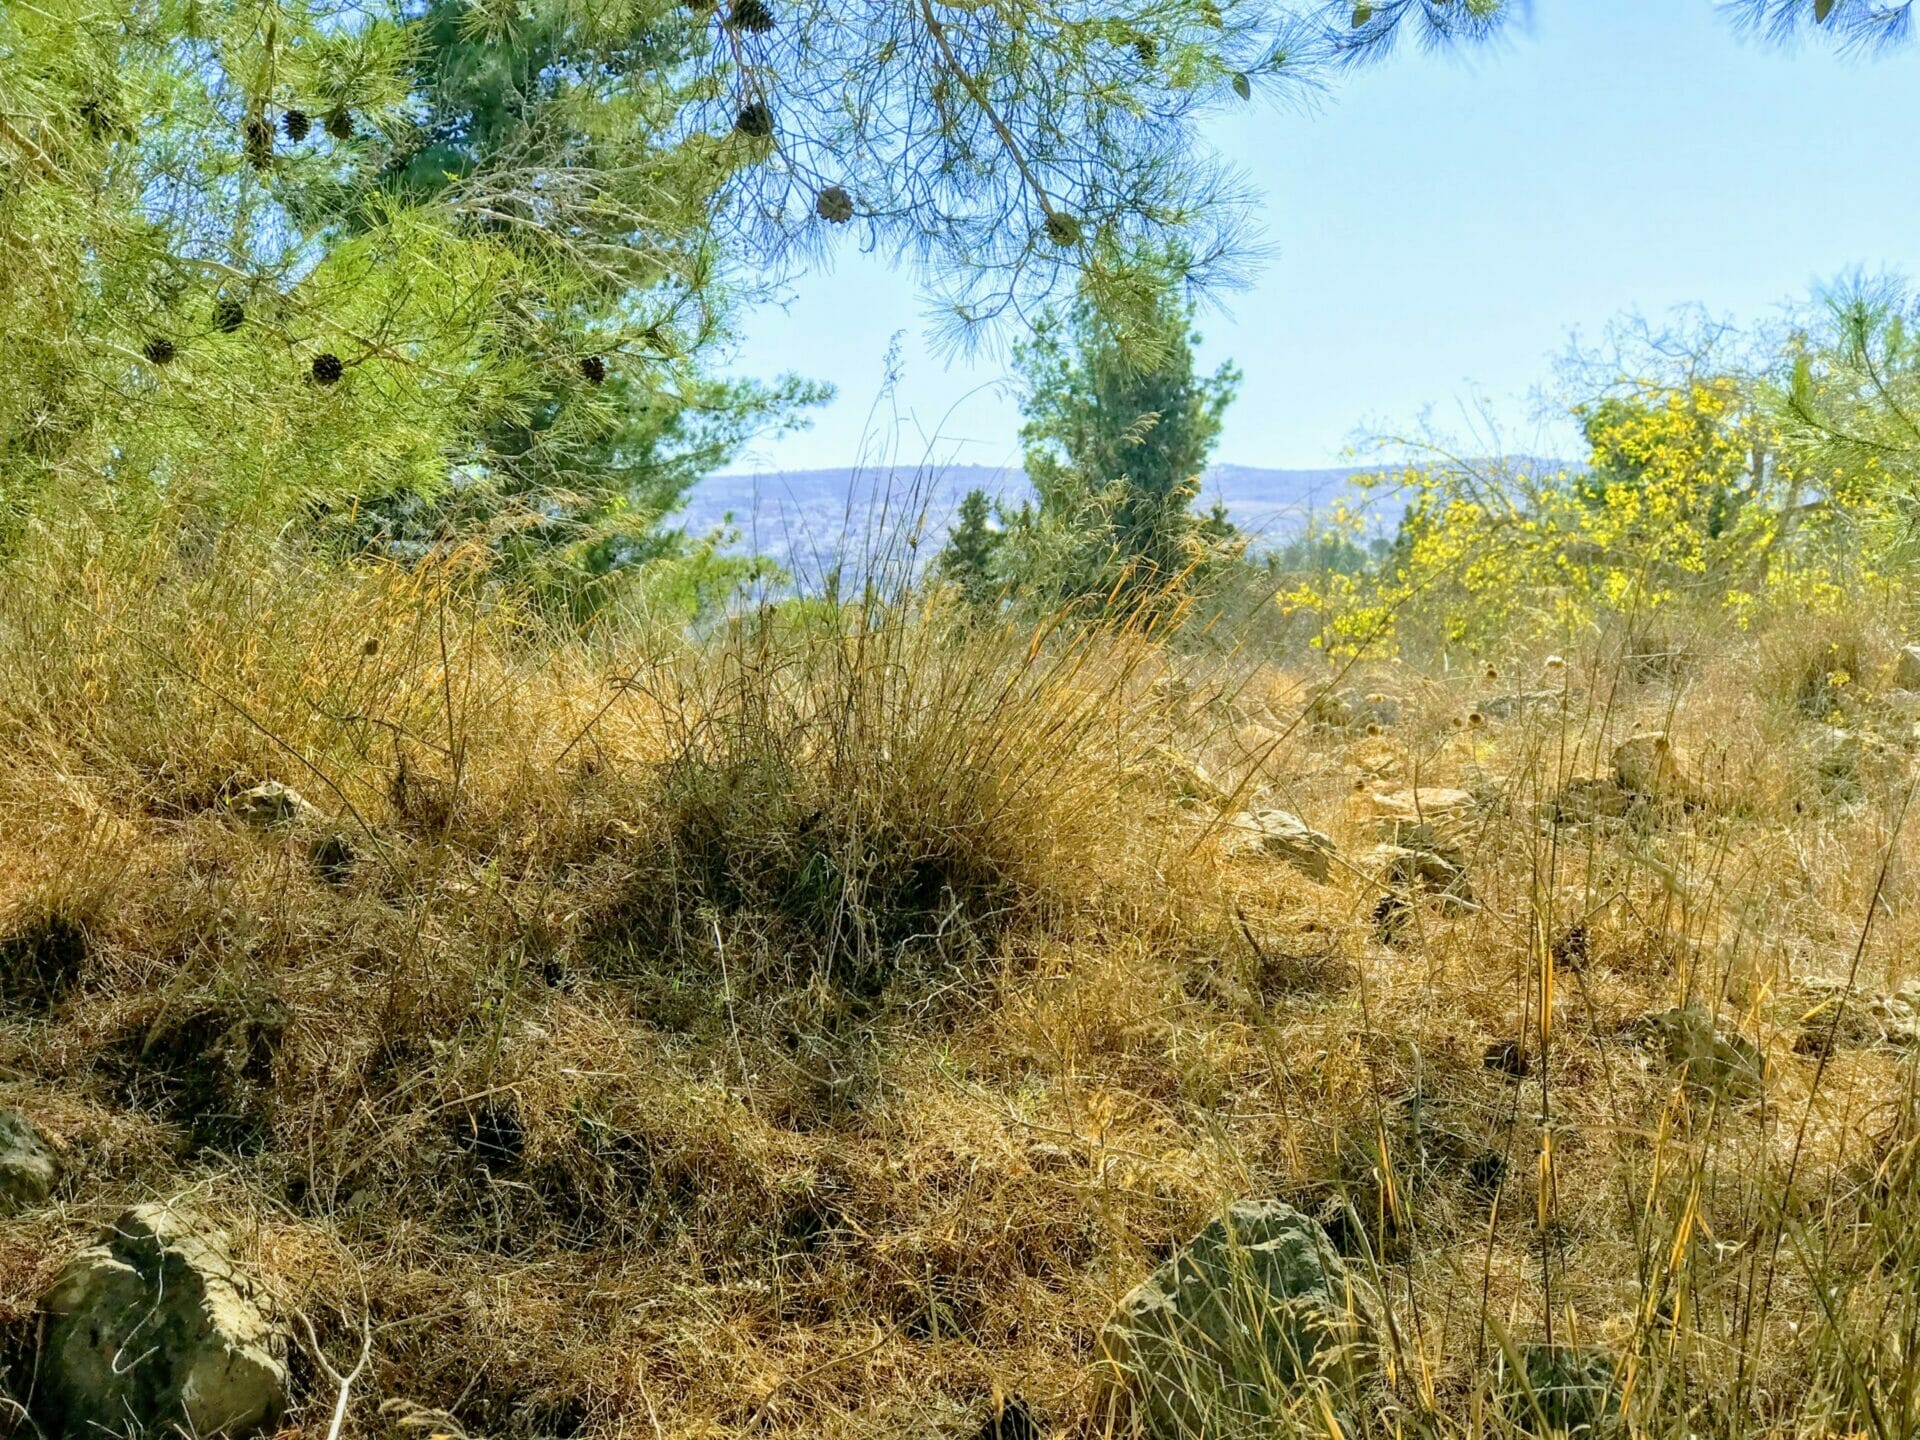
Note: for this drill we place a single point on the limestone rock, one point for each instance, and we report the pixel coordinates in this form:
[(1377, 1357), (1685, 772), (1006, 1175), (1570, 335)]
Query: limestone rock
[(1650, 766), (1283, 836), (28, 1169), (1710, 1058), (1840, 758), (153, 1329), (272, 806), (1906, 669), (1219, 1340), (1418, 867)]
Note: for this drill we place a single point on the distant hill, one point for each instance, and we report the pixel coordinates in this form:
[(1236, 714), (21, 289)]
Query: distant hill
[(810, 516)]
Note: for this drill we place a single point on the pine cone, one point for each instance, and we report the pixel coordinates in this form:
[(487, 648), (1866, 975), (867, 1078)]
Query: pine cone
[(755, 120), (160, 350), (296, 124), (833, 205), (594, 368), (752, 16), (327, 368)]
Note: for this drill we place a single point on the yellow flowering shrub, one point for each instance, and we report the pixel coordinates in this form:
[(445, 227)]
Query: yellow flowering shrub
[(1688, 495)]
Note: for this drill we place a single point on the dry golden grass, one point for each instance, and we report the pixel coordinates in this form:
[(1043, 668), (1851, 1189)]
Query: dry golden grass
[(813, 1031)]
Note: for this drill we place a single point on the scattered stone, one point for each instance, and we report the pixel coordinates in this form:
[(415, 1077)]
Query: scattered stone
[(1564, 1390), (28, 1168), (1509, 1057), (1710, 1059), (1906, 668), (1650, 766), (1840, 1018), (1217, 1339), (153, 1329), (1283, 836), (1412, 867), (272, 806)]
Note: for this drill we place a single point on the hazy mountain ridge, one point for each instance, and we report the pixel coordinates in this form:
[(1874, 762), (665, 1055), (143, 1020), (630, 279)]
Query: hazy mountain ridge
[(821, 512)]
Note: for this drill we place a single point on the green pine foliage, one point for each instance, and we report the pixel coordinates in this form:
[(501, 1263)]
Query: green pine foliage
[(1851, 402), (408, 268), (971, 558), (1118, 430)]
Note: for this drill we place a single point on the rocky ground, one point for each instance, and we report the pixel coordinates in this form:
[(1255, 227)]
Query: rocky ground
[(1355, 1049)]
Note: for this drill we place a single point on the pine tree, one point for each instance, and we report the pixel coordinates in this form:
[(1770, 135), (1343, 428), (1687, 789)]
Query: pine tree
[(1118, 430), (493, 192), (970, 560)]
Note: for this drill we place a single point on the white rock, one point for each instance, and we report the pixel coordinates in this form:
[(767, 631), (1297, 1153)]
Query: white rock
[(1906, 669), (153, 1330), (1283, 836), (28, 1168), (273, 806)]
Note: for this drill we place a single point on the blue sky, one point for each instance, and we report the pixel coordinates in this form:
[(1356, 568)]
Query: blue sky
[(1438, 228)]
